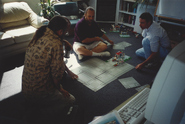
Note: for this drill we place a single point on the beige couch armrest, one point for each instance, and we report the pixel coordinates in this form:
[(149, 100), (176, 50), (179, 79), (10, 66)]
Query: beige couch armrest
[(37, 21)]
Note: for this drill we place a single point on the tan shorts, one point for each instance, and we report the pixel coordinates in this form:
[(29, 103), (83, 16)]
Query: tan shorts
[(76, 45)]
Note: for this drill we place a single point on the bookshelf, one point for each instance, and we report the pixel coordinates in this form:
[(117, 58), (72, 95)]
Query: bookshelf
[(125, 13)]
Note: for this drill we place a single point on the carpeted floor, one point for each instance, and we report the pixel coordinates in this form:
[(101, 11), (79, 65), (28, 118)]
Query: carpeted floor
[(90, 103)]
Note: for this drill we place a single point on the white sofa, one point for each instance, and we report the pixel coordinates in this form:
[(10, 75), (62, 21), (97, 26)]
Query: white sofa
[(18, 24)]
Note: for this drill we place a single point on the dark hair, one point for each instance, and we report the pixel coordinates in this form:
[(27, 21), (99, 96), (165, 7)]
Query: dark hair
[(88, 8), (147, 16), (56, 23)]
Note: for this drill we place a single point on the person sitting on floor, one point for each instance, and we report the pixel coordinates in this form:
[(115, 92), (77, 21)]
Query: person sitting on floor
[(44, 67), (156, 44), (87, 41)]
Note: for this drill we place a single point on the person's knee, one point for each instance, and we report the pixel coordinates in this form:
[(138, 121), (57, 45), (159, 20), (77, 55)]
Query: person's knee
[(80, 49), (140, 53), (100, 48), (145, 42), (137, 52), (103, 46)]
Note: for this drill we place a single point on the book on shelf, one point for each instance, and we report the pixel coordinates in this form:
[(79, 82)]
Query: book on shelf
[(129, 6), (133, 20), (122, 17), (124, 6), (125, 19), (130, 19), (134, 10)]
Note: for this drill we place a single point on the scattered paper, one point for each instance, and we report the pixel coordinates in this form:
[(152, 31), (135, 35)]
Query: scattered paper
[(121, 45), (124, 35), (129, 82)]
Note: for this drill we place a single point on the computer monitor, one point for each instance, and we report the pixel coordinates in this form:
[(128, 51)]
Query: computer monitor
[(166, 101)]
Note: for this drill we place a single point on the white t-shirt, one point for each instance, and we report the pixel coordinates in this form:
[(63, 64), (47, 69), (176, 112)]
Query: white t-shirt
[(157, 36)]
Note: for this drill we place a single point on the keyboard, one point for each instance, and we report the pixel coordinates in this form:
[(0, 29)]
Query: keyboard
[(133, 111)]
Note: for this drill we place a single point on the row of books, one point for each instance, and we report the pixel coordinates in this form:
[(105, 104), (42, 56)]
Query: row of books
[(130, 19), (128, 6)]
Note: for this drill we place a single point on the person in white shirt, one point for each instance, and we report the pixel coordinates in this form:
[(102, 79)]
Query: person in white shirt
[(156, 43)]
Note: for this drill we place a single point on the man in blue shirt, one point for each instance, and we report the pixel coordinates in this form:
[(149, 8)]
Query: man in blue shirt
[(156, 44), (87, 41)]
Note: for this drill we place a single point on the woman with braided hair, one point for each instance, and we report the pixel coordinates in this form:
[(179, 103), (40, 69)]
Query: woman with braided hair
[(44, 67)]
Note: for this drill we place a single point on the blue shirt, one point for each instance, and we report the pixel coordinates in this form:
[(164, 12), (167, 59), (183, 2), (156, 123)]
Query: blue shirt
[(83, 30), (157, 37)]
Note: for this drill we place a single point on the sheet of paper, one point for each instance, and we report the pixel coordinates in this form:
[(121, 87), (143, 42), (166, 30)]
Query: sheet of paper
[(129, 82), (121, 45), (122, 35)]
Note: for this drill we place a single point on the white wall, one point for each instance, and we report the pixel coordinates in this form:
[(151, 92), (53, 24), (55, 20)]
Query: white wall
[(32, 3)]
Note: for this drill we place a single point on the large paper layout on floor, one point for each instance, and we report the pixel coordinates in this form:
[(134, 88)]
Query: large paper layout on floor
[(96, 73)]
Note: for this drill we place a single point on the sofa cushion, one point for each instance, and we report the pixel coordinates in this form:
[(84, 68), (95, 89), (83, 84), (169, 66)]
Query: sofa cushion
[(5, 40), (13, 24), (15, 13), (13, 49), (11, 12), (35, 20), (22, 33)]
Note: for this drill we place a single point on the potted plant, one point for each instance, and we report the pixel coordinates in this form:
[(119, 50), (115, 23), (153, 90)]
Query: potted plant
[(47, 10)]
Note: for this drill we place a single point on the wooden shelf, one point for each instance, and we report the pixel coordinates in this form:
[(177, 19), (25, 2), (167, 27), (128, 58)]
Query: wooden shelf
[(130, 13)]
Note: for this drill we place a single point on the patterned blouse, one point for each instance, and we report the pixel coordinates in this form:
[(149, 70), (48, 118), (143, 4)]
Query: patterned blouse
[(43, 63)]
